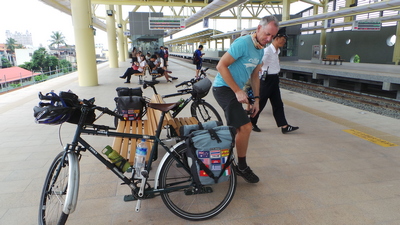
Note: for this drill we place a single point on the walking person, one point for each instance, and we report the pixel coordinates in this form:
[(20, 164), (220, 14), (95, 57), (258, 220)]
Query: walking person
[(198, 59), (269, 84), (242, 61)]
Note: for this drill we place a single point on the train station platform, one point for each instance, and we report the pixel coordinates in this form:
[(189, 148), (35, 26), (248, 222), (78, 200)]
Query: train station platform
[(386, 76), (341, 167)]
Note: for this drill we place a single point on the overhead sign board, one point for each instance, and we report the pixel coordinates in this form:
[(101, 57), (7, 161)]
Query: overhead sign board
[(366, 25), (161, 23)]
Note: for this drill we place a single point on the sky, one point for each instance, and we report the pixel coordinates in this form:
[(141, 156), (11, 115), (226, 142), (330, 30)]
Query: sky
[(41, 20)]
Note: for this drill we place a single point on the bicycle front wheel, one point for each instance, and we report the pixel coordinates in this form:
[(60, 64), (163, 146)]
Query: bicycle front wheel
[(183, 202), (204, 112), (54, 192)]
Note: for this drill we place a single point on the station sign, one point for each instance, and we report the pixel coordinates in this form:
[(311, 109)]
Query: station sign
[(161, 23), (367, 25)]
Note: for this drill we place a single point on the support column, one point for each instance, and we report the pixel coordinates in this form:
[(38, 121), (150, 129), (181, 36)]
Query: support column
[(84, 42), (286, 10), (121, 38), (112, 38), (239, 17), (322, 39), (126, 38), (396, 51)]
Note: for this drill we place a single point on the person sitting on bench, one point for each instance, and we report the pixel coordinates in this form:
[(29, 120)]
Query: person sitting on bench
[(135, 68), (159, 68)]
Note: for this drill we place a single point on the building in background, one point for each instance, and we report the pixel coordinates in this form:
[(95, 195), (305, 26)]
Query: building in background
[(20, 38)]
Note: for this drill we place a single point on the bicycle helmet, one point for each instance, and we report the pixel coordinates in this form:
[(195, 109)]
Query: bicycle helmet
[(53, 112)]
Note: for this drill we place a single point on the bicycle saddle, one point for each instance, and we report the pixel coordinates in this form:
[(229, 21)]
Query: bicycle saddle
[(164, 107)]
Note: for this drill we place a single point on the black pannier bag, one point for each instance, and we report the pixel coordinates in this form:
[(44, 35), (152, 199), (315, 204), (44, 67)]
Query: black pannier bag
[(201, 88), (209, 153), (130, 103), (130, 107)]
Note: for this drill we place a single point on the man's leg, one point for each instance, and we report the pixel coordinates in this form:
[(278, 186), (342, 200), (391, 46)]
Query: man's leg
[(242, 139), (242, 143)]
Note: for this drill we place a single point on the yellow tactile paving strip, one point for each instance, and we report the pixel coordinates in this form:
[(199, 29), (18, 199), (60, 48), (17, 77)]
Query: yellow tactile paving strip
[(375, 136)]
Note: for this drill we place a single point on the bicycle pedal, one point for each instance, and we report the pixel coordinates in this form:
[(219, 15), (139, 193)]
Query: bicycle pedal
[(129, 198)]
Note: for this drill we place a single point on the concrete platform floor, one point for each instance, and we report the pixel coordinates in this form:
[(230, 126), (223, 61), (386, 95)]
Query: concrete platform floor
[(319, 174)]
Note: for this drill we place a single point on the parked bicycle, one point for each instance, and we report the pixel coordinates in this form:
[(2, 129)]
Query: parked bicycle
[(172, 180), (198, 88)]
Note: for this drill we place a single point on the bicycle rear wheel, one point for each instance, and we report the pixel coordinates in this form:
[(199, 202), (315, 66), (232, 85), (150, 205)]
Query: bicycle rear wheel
[(193, 206), (204, 112), (54, 192)]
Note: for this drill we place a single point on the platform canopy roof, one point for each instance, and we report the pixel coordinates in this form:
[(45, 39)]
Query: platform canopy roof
[(201, 36), (194, 11)]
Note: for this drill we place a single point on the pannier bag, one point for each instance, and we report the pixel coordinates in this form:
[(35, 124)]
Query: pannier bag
[(187, 129), (201, 88), (130, 103), (210, 153), (130, 107)]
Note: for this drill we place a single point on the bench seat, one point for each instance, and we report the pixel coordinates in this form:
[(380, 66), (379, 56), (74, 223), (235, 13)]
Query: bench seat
[(127, 146), (333, 58)]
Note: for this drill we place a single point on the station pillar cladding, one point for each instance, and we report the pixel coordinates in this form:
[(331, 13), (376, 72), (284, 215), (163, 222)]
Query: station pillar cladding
[(84, 41)]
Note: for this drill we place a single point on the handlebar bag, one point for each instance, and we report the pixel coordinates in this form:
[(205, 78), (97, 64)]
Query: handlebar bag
[(210, 154), (201, 88), (131, 107), (72, 100)]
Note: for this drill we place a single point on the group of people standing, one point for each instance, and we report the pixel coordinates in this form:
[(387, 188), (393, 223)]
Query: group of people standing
[(250, 60), (157, 63)]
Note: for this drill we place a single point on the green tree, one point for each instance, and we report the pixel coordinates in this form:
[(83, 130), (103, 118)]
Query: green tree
[(27, 66), (57, 38), (65, 64), (5, 63), (38, 58), (10, 44)]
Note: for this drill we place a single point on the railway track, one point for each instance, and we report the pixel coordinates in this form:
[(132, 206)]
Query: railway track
[(371, 103)]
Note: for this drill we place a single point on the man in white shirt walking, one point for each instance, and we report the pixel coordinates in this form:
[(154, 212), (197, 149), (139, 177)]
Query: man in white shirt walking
[(269, 84)]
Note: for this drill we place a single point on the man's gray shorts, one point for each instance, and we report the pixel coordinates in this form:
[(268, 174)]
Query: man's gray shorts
[(235, 115)]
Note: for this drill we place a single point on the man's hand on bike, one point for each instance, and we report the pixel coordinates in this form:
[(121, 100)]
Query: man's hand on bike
[(242, 97)]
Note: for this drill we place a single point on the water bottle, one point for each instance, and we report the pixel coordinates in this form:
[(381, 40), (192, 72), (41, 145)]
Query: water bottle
[(140, 157), (116, 158)]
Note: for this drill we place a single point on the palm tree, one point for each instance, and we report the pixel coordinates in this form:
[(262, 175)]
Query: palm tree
[(10, 46), (57, 38)]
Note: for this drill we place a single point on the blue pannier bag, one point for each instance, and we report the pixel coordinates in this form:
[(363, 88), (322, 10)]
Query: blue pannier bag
[(210, 153)]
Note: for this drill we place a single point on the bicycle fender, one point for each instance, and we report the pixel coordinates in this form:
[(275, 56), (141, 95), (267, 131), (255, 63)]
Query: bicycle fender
[(73, 184), (157, 175)]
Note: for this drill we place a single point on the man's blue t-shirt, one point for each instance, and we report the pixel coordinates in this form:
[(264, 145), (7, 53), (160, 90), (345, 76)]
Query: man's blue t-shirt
[(198, 56), (246, 56)]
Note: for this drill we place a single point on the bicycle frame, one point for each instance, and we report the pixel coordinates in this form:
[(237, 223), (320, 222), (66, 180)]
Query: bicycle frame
[(73, 151)]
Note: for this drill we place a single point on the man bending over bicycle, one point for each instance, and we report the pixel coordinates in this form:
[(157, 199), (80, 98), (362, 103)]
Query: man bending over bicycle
[(242, 61)]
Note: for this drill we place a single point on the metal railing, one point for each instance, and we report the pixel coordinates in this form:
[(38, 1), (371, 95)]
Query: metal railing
[(34, 79)]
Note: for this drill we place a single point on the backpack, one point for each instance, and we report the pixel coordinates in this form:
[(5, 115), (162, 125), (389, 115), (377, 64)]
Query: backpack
[(209, 153), (195, 58)]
